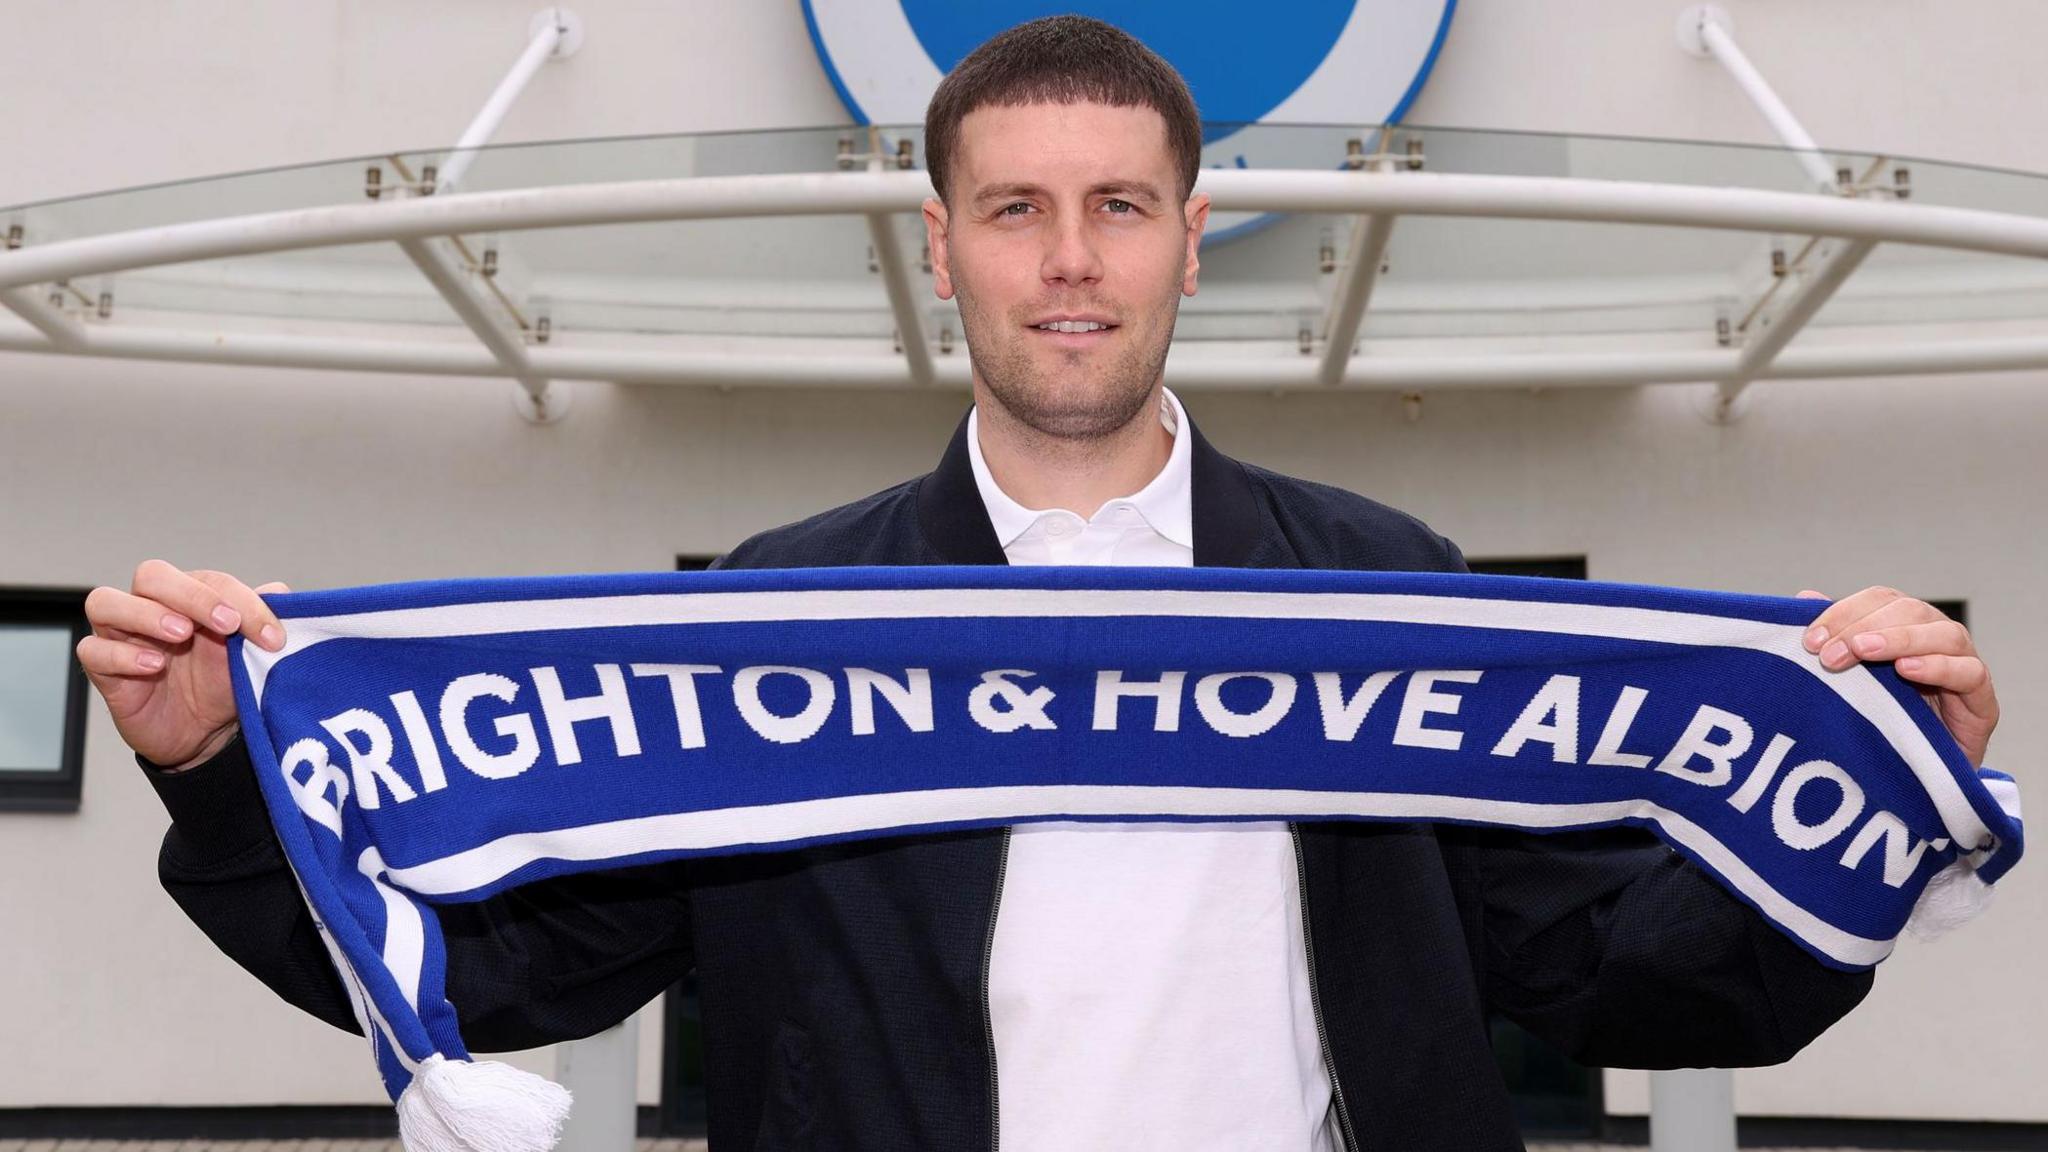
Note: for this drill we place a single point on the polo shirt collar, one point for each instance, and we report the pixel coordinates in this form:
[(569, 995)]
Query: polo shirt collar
[(1232, 528), (1165, 502)]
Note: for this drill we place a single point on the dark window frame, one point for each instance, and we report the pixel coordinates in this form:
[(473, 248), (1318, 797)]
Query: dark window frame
[(62, 790), (1554, 567)]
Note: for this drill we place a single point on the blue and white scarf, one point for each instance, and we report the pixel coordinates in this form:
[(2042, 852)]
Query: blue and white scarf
[(441, 742)]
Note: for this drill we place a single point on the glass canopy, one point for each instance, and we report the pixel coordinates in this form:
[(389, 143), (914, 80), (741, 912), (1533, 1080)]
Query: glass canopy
[(1403, 257)]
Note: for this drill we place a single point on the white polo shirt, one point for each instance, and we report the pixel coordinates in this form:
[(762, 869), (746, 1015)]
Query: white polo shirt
[(1149, 987)]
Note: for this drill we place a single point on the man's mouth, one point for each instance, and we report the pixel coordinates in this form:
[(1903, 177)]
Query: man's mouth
[(1074, 326)]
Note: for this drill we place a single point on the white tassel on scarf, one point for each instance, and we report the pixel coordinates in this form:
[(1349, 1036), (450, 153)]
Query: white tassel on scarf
[(480, 1106)]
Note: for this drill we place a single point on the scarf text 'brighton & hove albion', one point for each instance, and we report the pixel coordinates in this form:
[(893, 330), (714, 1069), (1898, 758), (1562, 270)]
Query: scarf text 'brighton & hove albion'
[(440, 742)]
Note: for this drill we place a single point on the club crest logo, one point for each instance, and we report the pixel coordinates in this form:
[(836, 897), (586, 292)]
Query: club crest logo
[(1351, 62)]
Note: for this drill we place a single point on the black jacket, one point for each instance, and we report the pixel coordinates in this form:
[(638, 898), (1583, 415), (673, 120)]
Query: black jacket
[(844, 988)]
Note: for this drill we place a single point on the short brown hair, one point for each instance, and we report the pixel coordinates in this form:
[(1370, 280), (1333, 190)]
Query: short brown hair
[(1063, 60)]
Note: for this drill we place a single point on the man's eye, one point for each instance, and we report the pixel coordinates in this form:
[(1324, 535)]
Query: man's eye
[(1012, 209), (1120, 207)]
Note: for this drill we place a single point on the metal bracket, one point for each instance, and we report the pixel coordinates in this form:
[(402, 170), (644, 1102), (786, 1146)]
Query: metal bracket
[(568, 28), (1411, 157), (903, 157)]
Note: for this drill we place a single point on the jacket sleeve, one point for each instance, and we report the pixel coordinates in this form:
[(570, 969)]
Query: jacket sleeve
[(1624, 954), (558, 959)]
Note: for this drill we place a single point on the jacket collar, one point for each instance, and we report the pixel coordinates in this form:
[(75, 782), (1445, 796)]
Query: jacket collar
[(1228, 528)]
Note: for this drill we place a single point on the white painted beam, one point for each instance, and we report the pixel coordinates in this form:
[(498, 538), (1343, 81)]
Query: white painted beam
[(1186, 367), (800, 194)]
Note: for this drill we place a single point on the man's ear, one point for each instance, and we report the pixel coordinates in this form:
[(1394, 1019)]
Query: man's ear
[(1196, 211), (935, 236)]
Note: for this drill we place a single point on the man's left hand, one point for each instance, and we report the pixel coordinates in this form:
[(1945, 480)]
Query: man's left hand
[(1927, 648)]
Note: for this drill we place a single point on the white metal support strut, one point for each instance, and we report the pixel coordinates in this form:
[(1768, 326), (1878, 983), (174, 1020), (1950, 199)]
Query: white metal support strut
[(1839, 259), (554, 34), (545, 403), (1347, 309), (1704, 31), (67, 334), (896, 278)]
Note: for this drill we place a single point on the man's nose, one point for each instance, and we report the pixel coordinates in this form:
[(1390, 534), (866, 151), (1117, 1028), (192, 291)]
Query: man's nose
[(1071, 254)]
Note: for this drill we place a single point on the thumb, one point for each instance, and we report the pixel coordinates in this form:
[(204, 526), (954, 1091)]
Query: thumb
[(273, 586), (1808, 594)]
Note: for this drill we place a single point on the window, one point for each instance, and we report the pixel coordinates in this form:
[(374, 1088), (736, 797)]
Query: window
[(42, 699), (1560, 567)]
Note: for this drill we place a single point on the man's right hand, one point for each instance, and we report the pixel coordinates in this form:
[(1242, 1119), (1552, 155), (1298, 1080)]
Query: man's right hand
[(158, 654)]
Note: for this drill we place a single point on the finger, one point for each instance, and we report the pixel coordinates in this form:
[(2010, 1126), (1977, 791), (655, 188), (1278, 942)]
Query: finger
[(273, 586), (1848, 644), (1940, 638), (1834, 621), (219, 602), (1966, 676), (258, 622), (103, 657), (1816, 633), (137, 639), (112, 610), (181, 592)]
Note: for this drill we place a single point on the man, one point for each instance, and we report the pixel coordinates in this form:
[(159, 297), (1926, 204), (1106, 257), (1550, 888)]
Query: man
[(1064, 986)]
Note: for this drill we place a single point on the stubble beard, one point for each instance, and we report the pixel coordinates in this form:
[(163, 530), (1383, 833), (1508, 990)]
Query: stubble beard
[(1080, 397)]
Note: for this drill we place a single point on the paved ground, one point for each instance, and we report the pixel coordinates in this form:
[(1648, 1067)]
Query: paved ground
[(392, 1146), (644, 1146)]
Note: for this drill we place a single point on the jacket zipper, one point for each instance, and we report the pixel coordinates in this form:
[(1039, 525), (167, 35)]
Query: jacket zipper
[(988, 1020), (1315, 996)]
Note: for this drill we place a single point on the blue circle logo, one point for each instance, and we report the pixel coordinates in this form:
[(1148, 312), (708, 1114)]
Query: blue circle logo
[(1308, 62)]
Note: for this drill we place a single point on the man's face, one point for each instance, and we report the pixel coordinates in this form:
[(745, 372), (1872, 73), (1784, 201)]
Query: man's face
[(1066, 213)]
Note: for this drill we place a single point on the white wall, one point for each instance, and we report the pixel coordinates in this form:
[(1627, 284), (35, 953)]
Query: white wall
[(322, 480), (140, 91)]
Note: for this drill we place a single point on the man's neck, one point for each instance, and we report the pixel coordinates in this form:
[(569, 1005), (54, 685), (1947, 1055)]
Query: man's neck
[(1041, 471)]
